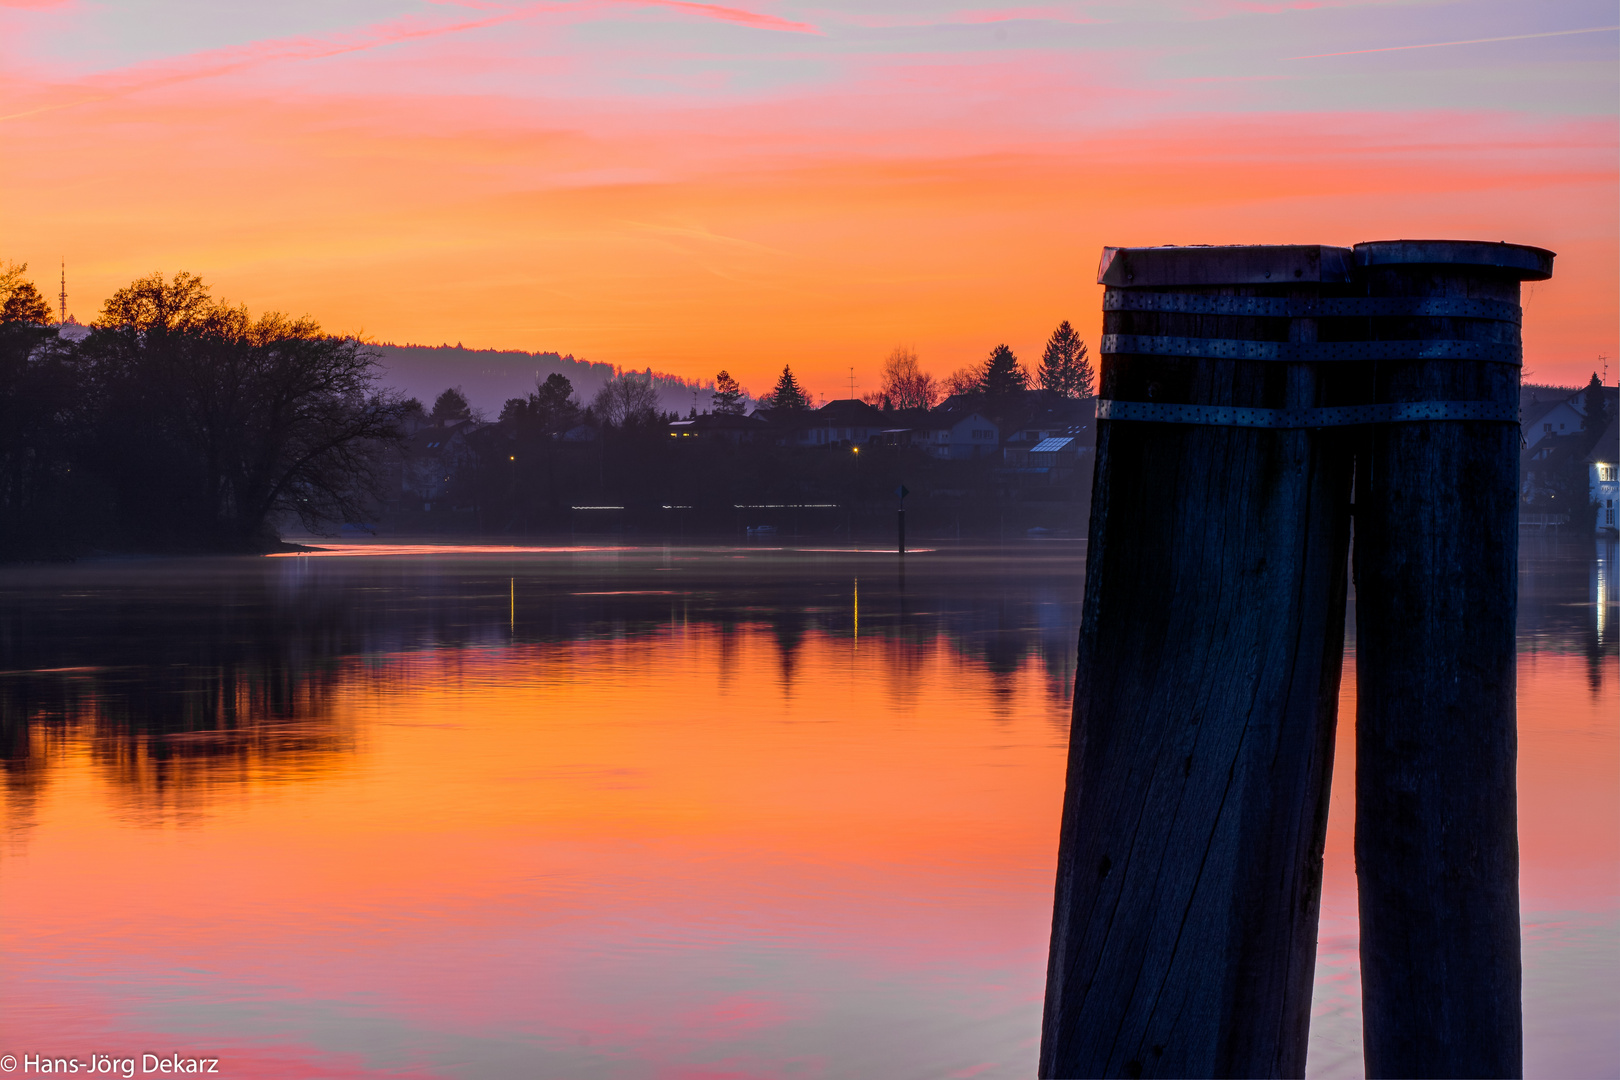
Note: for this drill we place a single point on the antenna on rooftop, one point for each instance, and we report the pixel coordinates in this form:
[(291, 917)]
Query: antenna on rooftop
[(63, 294), (852, 382), (1605, 360)]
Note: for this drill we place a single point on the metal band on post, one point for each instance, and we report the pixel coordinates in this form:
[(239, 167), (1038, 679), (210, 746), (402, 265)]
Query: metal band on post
[(1374, 307), (1292, 352), (1342, 416)]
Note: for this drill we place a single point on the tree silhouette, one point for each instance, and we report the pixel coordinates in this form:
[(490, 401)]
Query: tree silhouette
[(208, 422), (1065, 367), (727, 396), (905, 385), (1596, 413), (450, 405), (787, 393), (42, 404), (964, 380), (1003, 377), (20, 302), (152, 306), (551, 409), (628, 399)]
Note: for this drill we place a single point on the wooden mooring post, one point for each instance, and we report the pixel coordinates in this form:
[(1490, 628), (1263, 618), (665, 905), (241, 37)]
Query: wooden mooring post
[(1436, 545), (1240, 386), (1189, 869)]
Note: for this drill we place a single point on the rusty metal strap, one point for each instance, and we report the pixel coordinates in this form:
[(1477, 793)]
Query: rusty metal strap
[(1313, 351), (1340, 416), (1282, 307)]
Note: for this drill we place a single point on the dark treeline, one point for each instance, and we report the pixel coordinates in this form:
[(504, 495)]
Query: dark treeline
[(553, 464), (180, 422)]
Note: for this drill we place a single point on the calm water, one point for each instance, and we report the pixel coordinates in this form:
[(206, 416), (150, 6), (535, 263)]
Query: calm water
[(652, 812)]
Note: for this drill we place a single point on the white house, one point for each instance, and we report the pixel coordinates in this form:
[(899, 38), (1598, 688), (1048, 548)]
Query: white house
[(1559, 413), (960, 434), (1603, 478)]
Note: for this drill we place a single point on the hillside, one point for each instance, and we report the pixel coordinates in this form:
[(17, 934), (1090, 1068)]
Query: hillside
[(489, 376)]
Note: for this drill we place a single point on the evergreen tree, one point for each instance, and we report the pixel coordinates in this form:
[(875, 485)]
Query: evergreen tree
[(788, 394), (554, 404), (1065, 367), (1003, 376), (450, 405), (728, 396), (1596, 415), (551, 409)]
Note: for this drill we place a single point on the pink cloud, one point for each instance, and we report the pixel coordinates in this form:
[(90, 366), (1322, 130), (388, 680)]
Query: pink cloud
[(727, 14), (214, 63), (1015, 14)]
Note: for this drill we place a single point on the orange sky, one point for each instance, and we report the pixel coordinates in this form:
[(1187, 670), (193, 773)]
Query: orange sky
[(696, 189)]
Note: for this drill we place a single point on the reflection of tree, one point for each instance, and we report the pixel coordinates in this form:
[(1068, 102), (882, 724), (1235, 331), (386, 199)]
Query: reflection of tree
[(168, 736), (191, 680), (170, 697)]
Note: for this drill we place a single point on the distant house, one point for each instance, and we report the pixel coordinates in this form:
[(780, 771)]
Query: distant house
[(1603, 483), (1549, 412), (953, 432), (1046, 417), (845, 422), (960, 434), (430, 457), (731, 428)]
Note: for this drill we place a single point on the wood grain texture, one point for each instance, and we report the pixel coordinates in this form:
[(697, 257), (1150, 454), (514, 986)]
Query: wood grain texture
[(1189, 876), (1436, 821)]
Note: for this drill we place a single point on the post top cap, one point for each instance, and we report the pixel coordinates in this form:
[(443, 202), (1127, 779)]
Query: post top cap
[(1511, 260), (1231, 264)]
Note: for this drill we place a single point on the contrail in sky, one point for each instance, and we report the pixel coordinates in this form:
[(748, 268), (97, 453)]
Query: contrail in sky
[(1470, 41)]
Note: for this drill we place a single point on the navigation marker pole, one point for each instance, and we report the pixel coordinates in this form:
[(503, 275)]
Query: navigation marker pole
[(902, 491)]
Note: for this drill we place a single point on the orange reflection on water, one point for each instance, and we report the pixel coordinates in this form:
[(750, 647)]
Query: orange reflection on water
[(674, 854), (700, 833)]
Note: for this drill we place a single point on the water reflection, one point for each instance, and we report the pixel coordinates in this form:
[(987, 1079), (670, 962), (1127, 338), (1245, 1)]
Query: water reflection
[(180, 679), (636, 812), (573, 814), (1555, 573)]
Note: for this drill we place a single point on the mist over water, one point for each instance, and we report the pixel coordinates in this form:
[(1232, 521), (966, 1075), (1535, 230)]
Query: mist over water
[(636, 811)]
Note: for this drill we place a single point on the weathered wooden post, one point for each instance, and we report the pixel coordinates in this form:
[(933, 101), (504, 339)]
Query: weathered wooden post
[(1189, 867), (1436, 544)]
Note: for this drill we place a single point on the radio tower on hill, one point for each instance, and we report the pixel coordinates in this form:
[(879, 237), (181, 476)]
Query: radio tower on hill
[(63, 294)]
